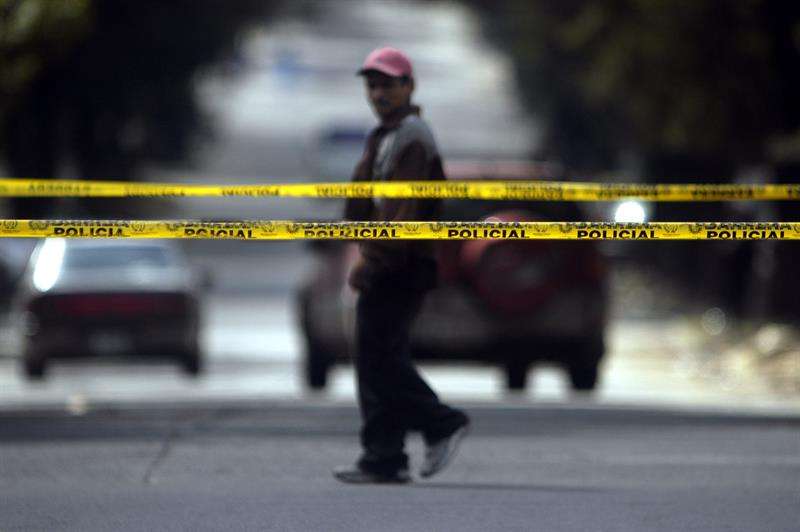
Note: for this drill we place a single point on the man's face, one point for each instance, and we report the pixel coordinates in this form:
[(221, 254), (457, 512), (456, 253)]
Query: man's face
[(387, 94)]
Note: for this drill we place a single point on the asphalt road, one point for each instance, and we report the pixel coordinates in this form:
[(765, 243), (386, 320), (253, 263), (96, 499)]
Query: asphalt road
[(266, 467)]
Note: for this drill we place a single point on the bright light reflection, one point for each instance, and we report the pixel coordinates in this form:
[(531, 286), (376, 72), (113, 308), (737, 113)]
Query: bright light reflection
[(630, 212), (48, 264)]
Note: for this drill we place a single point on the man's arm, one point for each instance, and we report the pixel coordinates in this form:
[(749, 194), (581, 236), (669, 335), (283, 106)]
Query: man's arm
[(412, 165)]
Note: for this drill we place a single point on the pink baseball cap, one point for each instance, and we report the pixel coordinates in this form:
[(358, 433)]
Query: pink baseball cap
[(389, 61)]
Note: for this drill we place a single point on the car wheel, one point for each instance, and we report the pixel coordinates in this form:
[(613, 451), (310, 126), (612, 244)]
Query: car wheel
[(35, 367), (516, 375), (192, 363), (317, 362), (583, 379), (584, 369), (317, 366)]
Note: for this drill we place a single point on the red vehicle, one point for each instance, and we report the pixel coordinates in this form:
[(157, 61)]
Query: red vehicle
[(506, 303)]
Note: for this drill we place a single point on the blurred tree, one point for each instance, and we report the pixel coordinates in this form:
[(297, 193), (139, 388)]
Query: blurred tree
[(107, 84), (709, 80), (35, 36), (32, 33)]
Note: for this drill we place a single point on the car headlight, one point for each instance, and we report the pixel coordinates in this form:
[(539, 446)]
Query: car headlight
[(630, 212)]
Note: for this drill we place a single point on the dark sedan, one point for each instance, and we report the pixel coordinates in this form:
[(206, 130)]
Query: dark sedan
[(95, 297)]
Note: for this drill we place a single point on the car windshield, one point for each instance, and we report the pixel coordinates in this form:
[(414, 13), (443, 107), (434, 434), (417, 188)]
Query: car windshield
[(116, 257)]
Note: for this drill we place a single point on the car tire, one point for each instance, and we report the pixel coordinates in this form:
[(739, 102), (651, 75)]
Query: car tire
[(317, 366), (192, 363), (584, 369), (516, 375), (583, 379), (316, 374), (35, 368), (316, 362)]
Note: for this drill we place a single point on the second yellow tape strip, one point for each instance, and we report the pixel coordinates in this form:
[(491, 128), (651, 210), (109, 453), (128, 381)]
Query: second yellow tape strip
[(289, 230)]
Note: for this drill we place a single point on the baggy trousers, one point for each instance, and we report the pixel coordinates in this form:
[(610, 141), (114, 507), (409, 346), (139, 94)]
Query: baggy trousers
[(393, 397)]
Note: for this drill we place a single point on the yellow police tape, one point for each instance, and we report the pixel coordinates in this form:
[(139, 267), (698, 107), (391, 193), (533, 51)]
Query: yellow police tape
[(502, 190), (289, 230)]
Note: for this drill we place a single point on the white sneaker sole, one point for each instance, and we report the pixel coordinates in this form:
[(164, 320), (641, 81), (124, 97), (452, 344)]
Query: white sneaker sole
[(455, 442)]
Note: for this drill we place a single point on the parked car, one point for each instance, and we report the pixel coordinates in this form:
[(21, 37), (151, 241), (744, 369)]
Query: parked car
[(108, 297), (507, 303)]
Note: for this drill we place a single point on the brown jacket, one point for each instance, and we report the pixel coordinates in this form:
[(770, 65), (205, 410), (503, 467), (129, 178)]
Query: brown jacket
[(402, 148)]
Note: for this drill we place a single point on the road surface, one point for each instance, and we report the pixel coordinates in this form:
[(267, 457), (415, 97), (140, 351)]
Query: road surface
[(266, 467)]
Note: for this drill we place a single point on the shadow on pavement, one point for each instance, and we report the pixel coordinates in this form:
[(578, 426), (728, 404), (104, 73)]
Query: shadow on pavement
[(504, 487)]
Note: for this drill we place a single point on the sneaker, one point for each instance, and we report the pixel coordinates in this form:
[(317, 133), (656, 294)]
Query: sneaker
[(356, 475), (440, 453)]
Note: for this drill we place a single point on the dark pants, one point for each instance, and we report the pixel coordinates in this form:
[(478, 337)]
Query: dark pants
[(394, 399)]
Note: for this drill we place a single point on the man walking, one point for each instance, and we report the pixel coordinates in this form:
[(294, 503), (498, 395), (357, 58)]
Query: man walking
[(392, 278)]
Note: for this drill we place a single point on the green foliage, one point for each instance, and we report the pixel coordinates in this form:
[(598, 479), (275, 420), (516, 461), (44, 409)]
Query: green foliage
[(705, 79), (108, 84), (33, 33)]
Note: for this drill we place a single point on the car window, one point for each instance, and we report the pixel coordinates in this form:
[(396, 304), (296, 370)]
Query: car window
[(116, 257)]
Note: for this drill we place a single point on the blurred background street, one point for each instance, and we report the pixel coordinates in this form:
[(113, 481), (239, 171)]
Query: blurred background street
[(285, 105)]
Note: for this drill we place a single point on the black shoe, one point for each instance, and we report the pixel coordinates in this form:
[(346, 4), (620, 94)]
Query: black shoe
[(356, 475), (440, 453)]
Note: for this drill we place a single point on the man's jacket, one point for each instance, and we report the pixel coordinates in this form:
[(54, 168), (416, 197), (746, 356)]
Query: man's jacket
[(402, 148)]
